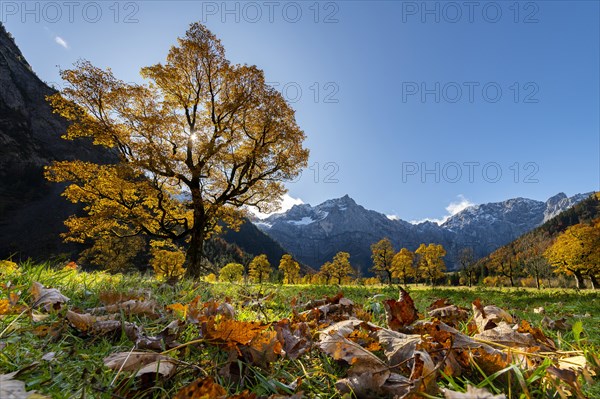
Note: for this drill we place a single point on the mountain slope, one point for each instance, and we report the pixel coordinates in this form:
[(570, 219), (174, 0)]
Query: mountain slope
[(31, 209), (315, 234), (526, 249)]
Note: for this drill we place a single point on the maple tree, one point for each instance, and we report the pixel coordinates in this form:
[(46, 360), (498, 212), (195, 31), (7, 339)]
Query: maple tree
[(290, 269), (403, 265), (467, 264), (575, 252), (259, 268), (339, 268), (382, 253), (231, 272), (201, 140), (430, 263)]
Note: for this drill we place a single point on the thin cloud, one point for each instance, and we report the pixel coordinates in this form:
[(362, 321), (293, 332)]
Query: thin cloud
[(453, 208), (61, 42)]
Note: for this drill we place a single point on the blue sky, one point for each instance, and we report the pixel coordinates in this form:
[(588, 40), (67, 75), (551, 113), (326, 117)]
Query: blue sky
[(414, 109)]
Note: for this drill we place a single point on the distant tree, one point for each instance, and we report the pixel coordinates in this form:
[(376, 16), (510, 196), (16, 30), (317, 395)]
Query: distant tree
[(530, 252), (467, 264), (575, 252), (403, 265), (290, 269), (259, 269), (382, 253), (340, 266), (325, 273), (504, 262), (231, 272), (431, 265), (200, 125)]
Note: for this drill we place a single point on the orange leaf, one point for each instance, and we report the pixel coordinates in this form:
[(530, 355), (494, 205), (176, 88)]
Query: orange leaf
[(202, 388), (400, 313)]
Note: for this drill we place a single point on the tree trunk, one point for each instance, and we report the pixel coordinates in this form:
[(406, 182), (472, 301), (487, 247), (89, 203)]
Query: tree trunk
[(579, 280), (389, 275), (537, 281), (195, 252), (594, 281), (193, 257)]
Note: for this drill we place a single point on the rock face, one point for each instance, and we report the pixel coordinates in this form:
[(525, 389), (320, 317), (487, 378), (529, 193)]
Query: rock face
[(31, 209), (315, 234)]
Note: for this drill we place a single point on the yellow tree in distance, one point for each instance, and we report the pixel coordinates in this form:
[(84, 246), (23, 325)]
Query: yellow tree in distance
[(259, 269), (403, 265), (290, 269), (430, 263), (382, 253), (198, 142), (339, 268)]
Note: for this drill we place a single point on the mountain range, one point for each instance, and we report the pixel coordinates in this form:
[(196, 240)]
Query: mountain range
[(315, 234)]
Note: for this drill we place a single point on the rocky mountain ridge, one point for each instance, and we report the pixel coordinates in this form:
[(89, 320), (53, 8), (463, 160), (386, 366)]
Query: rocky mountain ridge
[(315, 234)]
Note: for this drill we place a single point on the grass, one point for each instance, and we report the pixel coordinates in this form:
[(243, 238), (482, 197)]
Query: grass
[(60, 362)]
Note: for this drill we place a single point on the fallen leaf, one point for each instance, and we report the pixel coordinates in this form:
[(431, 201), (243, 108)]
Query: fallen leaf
[(49, 298), (131, 307), (132, 361), (400, 313), (397, 347), (164, 367), (503, 334), (489, 317), (202, 388), (232, 332), (472, 393), (451, 314), (367, 372), (546, 344), (11, 388), (560, 324), (295, 339), (574, 363)]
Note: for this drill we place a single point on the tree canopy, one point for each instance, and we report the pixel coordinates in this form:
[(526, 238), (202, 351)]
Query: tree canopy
[(198, 141)]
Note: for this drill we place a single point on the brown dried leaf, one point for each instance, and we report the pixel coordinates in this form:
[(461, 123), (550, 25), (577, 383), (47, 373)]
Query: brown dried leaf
[(489, 317), (397, 347), (560, 324), (82, 322), (11, 388), (202, 388), (400, 313), (361, 360), (112, 297), (546, 344), (49, 298), (131, 307), (295, 339), (504, 335), (451, 314), (264, 348), (472, 393), (132, 361), (164, 367)]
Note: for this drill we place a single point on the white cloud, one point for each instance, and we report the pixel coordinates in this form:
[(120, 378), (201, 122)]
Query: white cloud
[(287, 202), (61, 42), (393, 217), (452, 209)]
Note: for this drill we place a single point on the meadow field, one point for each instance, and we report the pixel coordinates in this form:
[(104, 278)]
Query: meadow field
[(58, 340)]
